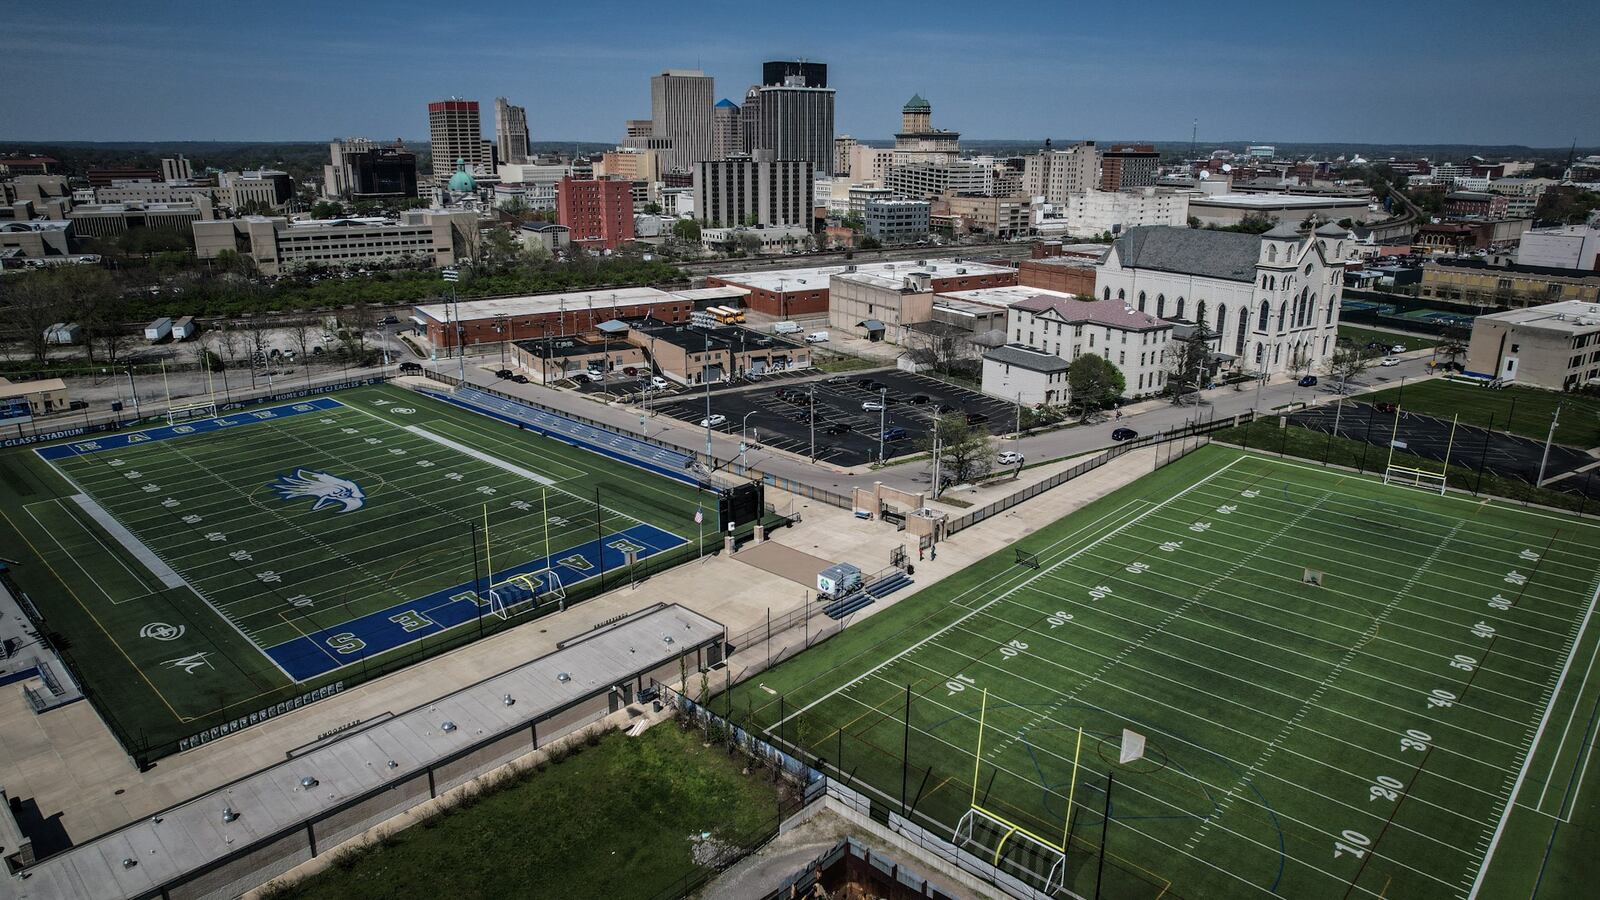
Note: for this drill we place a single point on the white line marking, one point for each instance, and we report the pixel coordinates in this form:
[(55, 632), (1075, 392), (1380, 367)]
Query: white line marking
[(133, 545)]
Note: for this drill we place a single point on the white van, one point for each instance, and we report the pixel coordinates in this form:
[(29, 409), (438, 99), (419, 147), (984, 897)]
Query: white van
[(785, 328), (817, 337)]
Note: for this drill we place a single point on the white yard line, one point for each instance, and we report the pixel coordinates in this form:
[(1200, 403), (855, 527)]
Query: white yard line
[(133, 545), (1533, 749), (1582, 685), (997, 598), (480, 456)]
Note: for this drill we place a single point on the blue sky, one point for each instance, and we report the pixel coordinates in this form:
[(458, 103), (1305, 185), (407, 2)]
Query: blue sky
[(1464, 72)]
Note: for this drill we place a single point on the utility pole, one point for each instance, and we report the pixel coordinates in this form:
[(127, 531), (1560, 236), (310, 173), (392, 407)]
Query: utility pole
[(1545, 457), (936, 484)]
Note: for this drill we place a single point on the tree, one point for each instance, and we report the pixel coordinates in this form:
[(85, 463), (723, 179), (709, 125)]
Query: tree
[(1091, 381), (1194, 221), (1452, 345), (853, 221), (965, 452), (870, 243), (687, 230), (499, 252), (1189, 356), (1200, 317), (31, 306), (1346, 363), (325, 209), (1300, 362), (748, 241), (652, 208)]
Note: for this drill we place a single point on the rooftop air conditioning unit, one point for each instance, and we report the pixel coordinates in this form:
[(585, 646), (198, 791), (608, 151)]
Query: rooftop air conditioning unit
[(961, 271)]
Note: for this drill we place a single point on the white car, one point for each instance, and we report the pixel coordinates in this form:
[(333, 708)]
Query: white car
[(872, 405), (1397, 348), (1389, 361), (1010, 458), (713, 421), (658, 383)]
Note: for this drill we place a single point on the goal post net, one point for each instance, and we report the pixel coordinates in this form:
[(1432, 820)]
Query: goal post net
[(1406, 476), (1006, 845), (521, 593), (182, 412)]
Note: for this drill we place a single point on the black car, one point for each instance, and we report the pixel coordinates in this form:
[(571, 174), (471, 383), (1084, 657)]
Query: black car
[(918, 399), (503, 373), (867, 384), (410, 368), (837, 428), (1124, 434), (1308, 381), (520, 378), (976, 418)]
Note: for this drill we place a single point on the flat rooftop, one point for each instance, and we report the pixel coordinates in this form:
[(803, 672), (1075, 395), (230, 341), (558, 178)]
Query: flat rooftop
[(539, 304), (816, 277), (1570, 316), (1275, 201), (730, 337), (193, 835), (1002, 297)]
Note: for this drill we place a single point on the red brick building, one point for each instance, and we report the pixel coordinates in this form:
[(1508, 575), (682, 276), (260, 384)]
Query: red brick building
[(1068, 274), (804, 292), (497, 319), (599, 212)]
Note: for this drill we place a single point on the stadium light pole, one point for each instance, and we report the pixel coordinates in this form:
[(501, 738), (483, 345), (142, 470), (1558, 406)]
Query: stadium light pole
[(883, 406), (1555, 418), (811, 413), (705, 378)]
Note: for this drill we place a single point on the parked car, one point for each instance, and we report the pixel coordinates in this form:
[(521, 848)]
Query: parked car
[(1398, 348), (836, 379), (1386, 407), (894, 434), (817, 337), (1389, 361), (1010, 458), (1308, 381), (976, 418), (872, 405), (866, 384), (391, 320), (786, 328), (630, 371), (713, 420), (503, 373), (1124, 434), (837, 428), (918, 399), (410, 368), (520, 378), (658, 383)]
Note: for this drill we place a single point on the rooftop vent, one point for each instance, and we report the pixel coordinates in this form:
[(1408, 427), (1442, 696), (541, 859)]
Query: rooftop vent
[(563, 677)]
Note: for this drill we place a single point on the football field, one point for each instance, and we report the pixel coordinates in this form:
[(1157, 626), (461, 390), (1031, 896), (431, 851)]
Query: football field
[(1343, 690), (205, 572)]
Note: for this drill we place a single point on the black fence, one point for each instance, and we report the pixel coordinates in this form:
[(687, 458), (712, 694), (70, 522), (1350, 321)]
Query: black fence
[(1181, 435)]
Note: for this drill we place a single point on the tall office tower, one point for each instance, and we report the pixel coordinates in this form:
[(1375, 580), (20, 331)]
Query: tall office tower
[(797, 123), (510, 131), (1057, 174), (488, 156), (176, 169), (680, 108), (1127, 166), (456, 133), (777, 71), (727, 130), (842, 147), (750, 118), (773, 192)]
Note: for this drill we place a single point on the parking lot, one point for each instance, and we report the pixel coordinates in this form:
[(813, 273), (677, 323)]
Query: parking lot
[(846, 434)]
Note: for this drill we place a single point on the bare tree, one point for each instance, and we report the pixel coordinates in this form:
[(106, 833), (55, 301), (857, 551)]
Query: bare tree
[(1452, 345), (1300, 362), (31, 304), (1347, 362), (300, 332)]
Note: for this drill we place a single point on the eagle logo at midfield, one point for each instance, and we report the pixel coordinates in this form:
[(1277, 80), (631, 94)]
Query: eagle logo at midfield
[(325, 489)]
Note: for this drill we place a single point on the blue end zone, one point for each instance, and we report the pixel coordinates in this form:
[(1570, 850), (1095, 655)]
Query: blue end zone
[(128, 439), (350, 642)]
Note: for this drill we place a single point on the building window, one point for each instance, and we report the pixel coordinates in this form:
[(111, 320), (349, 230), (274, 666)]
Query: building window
[(1141, 301), (1266, 314)]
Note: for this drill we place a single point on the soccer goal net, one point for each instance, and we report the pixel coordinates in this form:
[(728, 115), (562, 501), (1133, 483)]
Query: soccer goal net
[(521, 593), (1012, 849), (182, 412), (1417, 478)]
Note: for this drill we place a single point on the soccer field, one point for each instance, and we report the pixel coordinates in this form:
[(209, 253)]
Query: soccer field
[(205, 572), (1346, 689)]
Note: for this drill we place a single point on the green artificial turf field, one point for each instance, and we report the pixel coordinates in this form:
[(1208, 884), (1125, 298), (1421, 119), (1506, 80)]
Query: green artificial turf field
[(196, 577), (1416, 724), (1521, 410)]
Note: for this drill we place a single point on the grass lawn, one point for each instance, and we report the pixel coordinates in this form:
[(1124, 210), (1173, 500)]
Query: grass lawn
[(616, 820), (1411, 723), (1362, 336), (1529, 409)]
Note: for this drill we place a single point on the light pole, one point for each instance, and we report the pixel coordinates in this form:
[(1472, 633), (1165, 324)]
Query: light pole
[(811, 413), (883, 407), (743, 422), (705, 378), (1550, 436)]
